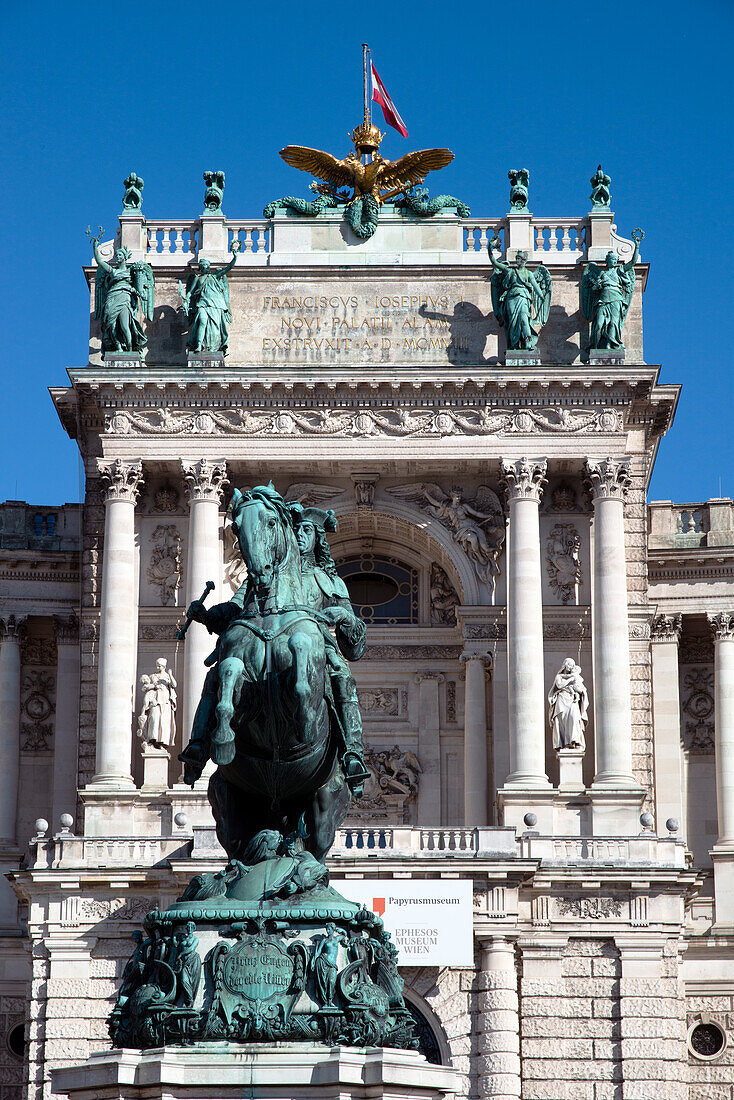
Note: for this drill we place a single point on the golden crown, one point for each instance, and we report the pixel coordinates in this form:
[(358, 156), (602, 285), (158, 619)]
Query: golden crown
[(366, 137)]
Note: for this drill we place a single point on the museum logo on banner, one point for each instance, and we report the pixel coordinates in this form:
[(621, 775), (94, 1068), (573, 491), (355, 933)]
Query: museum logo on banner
[(429, 922)]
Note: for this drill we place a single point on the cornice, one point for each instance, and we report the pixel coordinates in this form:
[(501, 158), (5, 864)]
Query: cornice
[(697, 564)]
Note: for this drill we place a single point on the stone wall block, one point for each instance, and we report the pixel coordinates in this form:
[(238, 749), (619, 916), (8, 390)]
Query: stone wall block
[(501, 1062), (491, 1042), (560, 1047), (580, 1007), (578, 966), (557, 1089), (497, 1000)]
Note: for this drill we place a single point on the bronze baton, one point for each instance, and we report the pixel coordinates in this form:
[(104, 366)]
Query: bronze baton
[(181, 634)]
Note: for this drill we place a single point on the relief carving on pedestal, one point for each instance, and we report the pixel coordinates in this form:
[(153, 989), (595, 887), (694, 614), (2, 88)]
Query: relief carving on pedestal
[(164, 567), (444, 598), (697, 702), (476, 521), (562, 557)]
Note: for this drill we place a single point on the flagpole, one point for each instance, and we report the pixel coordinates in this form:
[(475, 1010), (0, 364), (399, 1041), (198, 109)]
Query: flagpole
[(365, 84)]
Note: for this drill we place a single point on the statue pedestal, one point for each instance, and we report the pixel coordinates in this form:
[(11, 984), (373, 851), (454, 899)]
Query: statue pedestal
[(206, 360), (155, 767), (521, 358), (606, 357), (570, 764), (282, 1071), (123, 359)]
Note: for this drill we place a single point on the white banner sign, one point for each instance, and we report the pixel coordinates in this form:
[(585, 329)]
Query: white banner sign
[(430, 921)]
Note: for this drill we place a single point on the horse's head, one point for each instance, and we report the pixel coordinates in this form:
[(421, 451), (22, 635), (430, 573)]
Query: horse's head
[(264, 531)]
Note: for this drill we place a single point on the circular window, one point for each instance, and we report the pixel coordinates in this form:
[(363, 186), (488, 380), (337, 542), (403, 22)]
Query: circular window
[(706, 1040), (16, 1040)]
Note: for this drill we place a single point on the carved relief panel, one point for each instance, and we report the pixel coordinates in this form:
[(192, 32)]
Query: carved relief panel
[(162, 557)]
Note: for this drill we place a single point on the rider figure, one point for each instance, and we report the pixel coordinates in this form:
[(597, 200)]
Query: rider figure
[(323, 591)]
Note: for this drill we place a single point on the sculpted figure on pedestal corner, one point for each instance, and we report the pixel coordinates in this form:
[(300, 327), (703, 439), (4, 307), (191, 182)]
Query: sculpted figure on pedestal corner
[(606, 294), (121, 290), (206, 302), (520, 298)]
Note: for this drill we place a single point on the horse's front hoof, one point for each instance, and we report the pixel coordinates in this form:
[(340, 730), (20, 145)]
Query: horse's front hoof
[(223, 753)]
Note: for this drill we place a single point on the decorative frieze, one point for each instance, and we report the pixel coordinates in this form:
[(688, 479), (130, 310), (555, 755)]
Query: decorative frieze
[(205, 480), (557, 630), (376, 703), (608, 479), (523, 478), (312, 493), (362, 420), (412, 652), (122, 480), (593, 908)]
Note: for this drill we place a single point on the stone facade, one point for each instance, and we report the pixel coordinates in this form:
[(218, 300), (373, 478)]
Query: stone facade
[(492, 522)]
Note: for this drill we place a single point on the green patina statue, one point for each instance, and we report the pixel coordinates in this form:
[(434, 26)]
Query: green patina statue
[(214, 193), (284, 957), (520, 298), (132, 200), (606, 294), (519, 180), (600, 194), (206, 302), (417, 201), (121, 291)]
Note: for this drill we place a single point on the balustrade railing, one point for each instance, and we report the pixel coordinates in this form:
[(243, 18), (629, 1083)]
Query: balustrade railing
[(253, 236), (171, 241), (559, 239)]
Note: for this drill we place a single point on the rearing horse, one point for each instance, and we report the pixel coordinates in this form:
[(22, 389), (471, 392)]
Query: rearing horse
[(273, 738)]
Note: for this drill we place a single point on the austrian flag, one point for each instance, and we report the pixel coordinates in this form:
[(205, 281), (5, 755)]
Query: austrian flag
[(389, 110)]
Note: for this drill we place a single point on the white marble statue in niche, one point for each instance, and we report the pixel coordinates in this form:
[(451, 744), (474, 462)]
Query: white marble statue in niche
[(569, 707), (157, 718)]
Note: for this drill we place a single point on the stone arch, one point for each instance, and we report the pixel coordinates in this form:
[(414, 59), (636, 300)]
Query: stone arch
[(419, 538), (432, 1022)]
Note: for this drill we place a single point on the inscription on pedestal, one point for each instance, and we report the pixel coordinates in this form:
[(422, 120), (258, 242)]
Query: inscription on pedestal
[(257, 971)]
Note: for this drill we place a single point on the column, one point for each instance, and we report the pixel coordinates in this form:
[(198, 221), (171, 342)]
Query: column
[(429, 748), (66, 725), (722, 627), (12, 632), (118, 626), (523, 479), (609, 481), (204, 481), (475, 739), (665, 634), (499, 1036)]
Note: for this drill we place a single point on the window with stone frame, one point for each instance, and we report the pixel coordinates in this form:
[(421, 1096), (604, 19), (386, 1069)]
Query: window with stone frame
[(383, 590)]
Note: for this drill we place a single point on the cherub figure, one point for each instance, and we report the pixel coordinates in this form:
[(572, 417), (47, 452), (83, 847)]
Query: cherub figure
[(520, 298)]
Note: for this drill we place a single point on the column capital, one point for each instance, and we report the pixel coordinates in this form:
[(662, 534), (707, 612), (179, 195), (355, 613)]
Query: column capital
[(722, 625), (666, 628), (524, 478), (607, 478), (13, 626), (66, 629), (122, 479), (470, 655), (437, 676), (205, 480)]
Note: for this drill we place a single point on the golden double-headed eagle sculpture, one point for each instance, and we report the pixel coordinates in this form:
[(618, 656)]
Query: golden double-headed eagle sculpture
[(380, 178)]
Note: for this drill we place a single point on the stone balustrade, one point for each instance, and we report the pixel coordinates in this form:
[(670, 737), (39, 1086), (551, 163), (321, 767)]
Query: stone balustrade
[(548, 240), (362, 842), (684, 526)]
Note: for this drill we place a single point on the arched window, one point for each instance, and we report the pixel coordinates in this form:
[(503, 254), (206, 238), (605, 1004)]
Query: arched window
[(382, 590), (427, 1041)]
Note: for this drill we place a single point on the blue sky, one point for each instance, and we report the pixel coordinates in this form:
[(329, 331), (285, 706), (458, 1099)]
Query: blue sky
[(89, 92)]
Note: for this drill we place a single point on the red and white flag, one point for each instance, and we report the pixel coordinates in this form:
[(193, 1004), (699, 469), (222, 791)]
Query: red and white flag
[(389, 110)]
